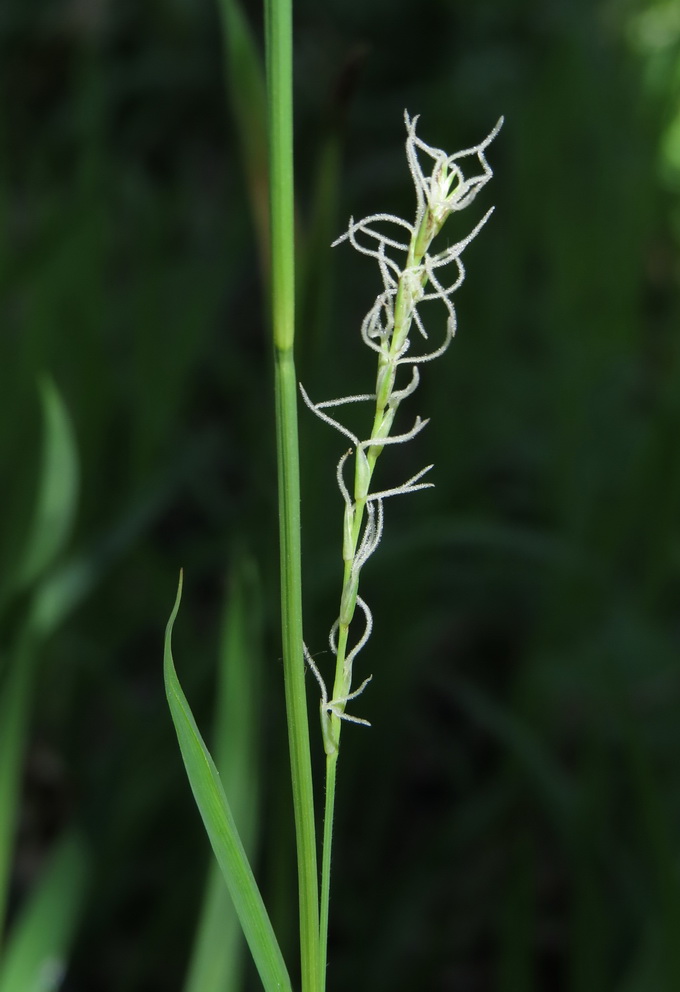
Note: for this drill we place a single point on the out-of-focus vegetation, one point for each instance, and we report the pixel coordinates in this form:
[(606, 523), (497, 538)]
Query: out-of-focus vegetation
[(512, 820)]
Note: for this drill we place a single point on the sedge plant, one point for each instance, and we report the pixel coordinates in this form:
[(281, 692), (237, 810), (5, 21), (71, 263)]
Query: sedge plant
[(413, 274)]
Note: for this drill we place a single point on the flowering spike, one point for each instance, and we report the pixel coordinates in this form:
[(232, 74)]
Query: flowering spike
[(411, 274)]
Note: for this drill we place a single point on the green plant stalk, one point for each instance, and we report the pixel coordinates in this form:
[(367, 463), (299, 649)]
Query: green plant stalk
[(329, 809), (293, 661), (280, 124), (385, 411)]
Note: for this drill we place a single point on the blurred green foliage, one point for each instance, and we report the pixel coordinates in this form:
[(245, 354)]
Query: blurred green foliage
[(512, 820)]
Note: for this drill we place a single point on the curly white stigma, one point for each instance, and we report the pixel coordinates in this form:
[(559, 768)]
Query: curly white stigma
[(412, 274)]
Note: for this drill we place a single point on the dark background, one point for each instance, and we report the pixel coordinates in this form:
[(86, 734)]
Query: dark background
[(510, 822)]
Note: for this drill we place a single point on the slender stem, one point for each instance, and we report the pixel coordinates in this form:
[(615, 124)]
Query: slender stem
[(331, 765), (329, 810), (382, 422), (294, 677), (279, 57), (280, 107)]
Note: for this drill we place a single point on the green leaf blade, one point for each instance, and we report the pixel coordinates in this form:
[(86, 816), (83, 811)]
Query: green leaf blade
[(57, 492), (221, 828), (216, 963), (246, 90), (38, 948)]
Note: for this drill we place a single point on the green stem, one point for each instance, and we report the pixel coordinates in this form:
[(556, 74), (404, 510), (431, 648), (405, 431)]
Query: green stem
[(280, 124), (339, 688), (331, 765), (293, 663), (382, 423)]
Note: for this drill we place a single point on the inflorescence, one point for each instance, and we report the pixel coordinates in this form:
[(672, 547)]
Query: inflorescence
[(411, 274)]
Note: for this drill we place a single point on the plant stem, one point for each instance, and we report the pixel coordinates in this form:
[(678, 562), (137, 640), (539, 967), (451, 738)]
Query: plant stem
[(331, 765), (385, 409), (293, 661), (329, 805), (280, 107)]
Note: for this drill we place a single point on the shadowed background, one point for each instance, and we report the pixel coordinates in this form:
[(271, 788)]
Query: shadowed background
[(511, 822)]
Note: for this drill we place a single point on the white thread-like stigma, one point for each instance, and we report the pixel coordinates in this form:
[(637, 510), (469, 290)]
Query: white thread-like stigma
[(412, 276)]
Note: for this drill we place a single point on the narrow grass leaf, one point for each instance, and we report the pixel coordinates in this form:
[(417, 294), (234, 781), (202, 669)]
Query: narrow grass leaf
[(38, 950), (57, 492), (221, 828), (53, 599), (315, 271), (246, 91), (217, 960), (315, 290)]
